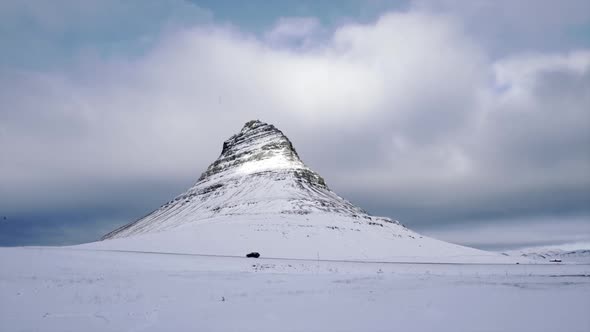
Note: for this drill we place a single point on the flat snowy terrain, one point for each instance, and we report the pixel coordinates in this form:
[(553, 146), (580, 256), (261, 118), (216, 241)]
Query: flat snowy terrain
[(331, 237), (71, 289)]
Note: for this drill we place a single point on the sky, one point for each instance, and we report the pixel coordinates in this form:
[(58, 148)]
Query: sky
[(468, 121)]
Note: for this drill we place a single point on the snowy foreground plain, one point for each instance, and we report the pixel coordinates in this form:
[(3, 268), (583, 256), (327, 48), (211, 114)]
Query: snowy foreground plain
[(73, 289)]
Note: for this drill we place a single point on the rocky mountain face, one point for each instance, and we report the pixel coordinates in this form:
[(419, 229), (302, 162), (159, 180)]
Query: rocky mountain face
[(258, 173)]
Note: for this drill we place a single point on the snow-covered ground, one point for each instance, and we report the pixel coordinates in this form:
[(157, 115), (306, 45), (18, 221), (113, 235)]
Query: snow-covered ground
[(327, 265), (73, 289), (331, 237)]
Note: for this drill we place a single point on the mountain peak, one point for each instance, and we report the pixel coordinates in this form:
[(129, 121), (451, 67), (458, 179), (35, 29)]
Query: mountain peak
[(257, 147), (253, 124)]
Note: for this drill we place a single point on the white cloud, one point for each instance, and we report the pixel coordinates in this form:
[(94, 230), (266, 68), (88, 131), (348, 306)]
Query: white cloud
[(503, 26)]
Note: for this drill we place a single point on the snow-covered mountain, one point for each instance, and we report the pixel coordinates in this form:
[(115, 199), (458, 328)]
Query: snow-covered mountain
[(258, 173), (259, 196)]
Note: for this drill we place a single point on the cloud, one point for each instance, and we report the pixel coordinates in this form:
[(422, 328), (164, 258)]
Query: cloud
[(504, 26), (408, 116), (294, 32)]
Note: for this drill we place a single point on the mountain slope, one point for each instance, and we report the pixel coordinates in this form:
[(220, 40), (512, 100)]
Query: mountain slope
[(259, 196)]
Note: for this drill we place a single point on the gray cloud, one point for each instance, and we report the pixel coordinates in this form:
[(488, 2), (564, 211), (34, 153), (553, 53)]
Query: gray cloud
[(519, 233), (409, 116)]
